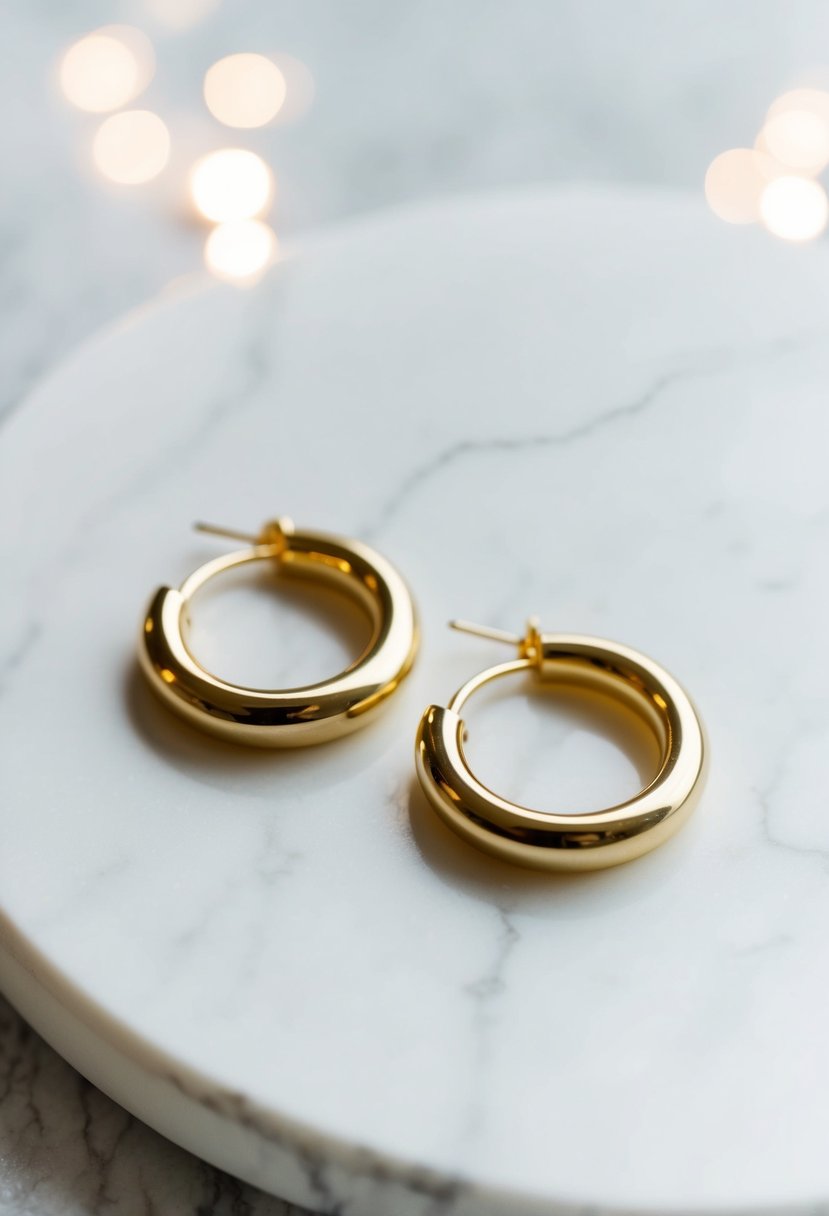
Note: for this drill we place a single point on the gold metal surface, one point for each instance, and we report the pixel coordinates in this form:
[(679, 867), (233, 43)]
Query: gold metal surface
[(568, 841), (295, 716)]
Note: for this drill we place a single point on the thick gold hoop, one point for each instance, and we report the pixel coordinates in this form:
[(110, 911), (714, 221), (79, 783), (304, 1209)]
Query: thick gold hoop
[(568, 841), (290, 717)]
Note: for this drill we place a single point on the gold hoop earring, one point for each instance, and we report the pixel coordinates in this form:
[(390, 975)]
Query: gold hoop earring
[(296, 716), (570, 841)]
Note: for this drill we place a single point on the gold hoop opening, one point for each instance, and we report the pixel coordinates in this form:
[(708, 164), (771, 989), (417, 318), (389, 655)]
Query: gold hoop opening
[(290, 717), (557, 841)]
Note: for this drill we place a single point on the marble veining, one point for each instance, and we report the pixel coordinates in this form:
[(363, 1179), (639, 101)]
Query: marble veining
[(700, 365), (66, 1148), (290, 967)]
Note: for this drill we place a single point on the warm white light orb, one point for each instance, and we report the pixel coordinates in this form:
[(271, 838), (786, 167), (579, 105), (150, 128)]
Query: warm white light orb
[(735, 182), (231, 184), (795, 208), (816, 101), (798, 139), (106, 69), (131, 147), (244, 90), (240, 250)]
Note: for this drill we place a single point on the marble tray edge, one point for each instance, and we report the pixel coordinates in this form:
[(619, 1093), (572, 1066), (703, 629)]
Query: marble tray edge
[(258, 1144), (198, 282), (263, 1146)]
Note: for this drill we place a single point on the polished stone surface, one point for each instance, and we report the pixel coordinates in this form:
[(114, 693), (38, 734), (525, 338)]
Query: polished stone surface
[(68, 1150), (600, 406)]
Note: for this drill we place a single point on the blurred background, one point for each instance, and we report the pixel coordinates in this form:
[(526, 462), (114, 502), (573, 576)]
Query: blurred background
[(372, 104), (137, 149)]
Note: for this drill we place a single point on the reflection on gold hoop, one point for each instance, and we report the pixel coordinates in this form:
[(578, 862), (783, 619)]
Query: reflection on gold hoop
[(295, 716), (568, 841)]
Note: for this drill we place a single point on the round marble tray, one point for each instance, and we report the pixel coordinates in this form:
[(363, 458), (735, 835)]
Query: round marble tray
[(603, 407)]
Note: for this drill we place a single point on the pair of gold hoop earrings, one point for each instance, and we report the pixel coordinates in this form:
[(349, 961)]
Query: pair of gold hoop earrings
[(320, 712)]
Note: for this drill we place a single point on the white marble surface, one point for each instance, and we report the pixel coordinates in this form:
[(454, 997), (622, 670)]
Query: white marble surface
[(606, 408)]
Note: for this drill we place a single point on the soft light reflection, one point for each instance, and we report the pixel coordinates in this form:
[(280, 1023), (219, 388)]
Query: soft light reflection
[(244, 90), (798, 139), (735, 182), (240, 250), (231, 184), (107, 68), (131, 147), (180, 14), (795, 208), (814, 101)]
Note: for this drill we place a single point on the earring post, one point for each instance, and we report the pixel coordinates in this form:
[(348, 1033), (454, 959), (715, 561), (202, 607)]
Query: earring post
[(486, 631), (231, 533)]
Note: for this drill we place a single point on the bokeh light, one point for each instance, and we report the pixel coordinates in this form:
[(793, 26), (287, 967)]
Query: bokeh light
[(244, 90), (735, 182), (798, 139), (240, 250), (815, 101), (131, 147), (106, 69), (795, 208), (231, 184)]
